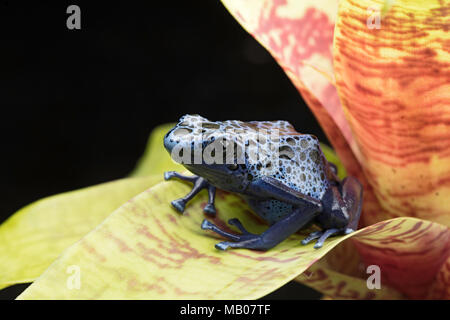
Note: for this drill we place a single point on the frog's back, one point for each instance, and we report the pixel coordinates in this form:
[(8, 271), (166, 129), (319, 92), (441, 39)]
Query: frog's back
[(299, 163), (290, 157)]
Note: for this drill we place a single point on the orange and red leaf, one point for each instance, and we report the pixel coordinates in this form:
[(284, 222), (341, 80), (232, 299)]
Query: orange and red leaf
[(394, 84)]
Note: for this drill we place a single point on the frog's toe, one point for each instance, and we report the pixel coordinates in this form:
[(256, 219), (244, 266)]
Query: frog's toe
[(246, 244), (348, 230), (324, 237), (206, 225), (168, 175), (312, 236), (318, 245), (246, 240), (210, 209), (179, 205), (224, 245)]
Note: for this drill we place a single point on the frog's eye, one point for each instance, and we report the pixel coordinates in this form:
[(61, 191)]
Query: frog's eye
[(232, 167)]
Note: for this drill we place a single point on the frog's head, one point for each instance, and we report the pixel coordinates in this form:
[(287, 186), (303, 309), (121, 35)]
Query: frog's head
[(200, 145)]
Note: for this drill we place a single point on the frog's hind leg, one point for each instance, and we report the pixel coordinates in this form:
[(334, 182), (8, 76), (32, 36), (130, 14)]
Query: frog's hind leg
[(199, 184), (268, 239), (349, 196)]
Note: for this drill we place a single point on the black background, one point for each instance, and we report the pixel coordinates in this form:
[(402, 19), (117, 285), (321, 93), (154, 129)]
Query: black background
[(77, 105)]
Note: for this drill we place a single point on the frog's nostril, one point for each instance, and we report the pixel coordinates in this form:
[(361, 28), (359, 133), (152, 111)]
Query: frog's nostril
[(182, 132)]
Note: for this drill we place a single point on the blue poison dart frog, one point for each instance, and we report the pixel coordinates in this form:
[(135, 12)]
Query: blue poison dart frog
[(282, 174)]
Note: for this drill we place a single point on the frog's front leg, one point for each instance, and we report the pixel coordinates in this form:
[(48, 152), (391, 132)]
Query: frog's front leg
[(199, 184), (276, 233)]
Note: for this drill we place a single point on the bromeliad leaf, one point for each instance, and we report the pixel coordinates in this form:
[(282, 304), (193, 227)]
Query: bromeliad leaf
[(395, 93), (409, 253), (146, 250), (34, 236), (340, 286), (387, 5)]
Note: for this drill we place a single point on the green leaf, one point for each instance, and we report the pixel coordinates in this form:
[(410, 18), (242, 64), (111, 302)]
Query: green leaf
[(156, 159), (146, 250)]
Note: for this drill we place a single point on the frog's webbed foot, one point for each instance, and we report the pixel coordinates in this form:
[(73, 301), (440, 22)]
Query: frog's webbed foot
[(324, 235), (199, 184), (245, 240)]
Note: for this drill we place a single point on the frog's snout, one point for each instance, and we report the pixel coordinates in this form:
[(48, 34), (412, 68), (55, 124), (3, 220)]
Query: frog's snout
[(177, 135)]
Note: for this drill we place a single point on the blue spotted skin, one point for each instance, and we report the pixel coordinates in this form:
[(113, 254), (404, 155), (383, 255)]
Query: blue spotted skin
[(282, 174)]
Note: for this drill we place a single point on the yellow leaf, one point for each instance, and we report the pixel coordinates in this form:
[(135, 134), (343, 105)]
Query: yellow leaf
[(331, 156), (146, 250), (34, 236)]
